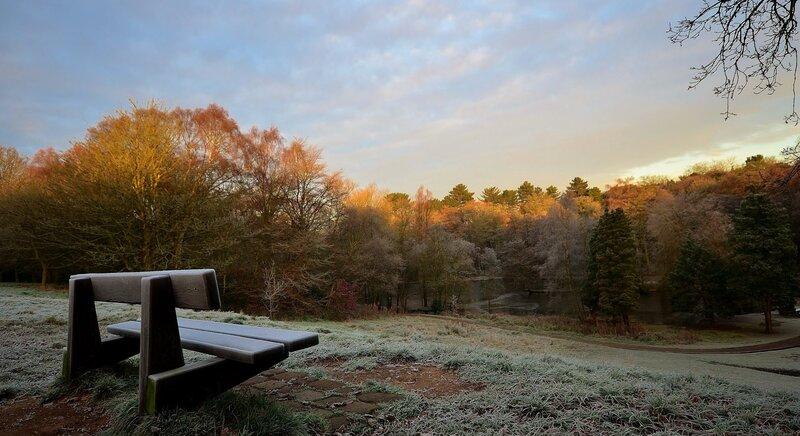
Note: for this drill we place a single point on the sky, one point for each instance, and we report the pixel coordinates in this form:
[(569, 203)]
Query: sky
[(397, 93)]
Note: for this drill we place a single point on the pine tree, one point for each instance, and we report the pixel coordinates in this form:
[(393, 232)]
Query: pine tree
[(552, 191), (509, 197), (698, 284), (578, 187), (612, 285), (458, 196), (764, 254), (595, 193), (525, 190), (491, 195)]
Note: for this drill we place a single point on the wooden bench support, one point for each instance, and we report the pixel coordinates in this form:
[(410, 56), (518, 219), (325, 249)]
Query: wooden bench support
[(189, 385), (85, 350), (160, 341)]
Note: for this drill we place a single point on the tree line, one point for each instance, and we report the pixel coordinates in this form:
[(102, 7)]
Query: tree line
[(154, 188)]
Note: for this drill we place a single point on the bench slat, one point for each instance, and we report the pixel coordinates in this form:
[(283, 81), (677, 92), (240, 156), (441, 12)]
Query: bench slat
[(238, 348), (293, 339)]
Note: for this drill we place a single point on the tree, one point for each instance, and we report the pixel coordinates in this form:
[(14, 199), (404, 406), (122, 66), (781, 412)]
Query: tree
[(509, 197), (611, 285), (442, 263), (764, 254), (698, 284), (274, 289), (636, 199), (552, 191), (578, 187), (12, 166), (520, 255), (672, 219), (398, 199), (525, 190), (479, 223), (563, 241), (458, 196), (536, 204), (423, 211), (32, 223), (365, 251), (595, 193), (491, 195), (13, 175), (792, 156), (756, 45)]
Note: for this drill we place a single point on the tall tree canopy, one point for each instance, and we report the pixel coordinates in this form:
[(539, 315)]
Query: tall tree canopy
[(578, 187), (764, 254), (458, 196), (612, 283), (698, 284), (491, 195)]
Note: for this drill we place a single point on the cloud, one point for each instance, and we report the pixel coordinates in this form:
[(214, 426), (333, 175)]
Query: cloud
[(398, 93)]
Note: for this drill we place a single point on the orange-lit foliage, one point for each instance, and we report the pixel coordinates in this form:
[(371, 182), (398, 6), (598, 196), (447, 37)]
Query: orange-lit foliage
[(150, 188), (478, 222), (537, 204)]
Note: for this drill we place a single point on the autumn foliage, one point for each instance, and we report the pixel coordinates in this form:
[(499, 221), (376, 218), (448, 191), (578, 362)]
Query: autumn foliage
[(154, 188)]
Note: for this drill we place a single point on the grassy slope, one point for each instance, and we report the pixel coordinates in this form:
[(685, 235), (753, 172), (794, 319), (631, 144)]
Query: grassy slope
[(528, 389)]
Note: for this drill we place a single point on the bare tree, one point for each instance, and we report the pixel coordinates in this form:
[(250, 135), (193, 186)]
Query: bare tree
[(274, 288), (756, 44), (792, 155)]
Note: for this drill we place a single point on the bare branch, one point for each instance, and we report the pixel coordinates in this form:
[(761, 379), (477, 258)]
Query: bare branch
[(756, 45)]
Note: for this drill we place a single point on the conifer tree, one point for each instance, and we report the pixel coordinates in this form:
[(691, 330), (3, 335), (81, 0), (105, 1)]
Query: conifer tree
[(698, 283), (509, 197), (611, 285), (764, 254), (491, 195), (578, 187), (525, 190), (458, 196)]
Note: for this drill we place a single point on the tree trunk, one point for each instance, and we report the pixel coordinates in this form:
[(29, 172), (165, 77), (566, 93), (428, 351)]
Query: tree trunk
[(768, 316), (44, 274)]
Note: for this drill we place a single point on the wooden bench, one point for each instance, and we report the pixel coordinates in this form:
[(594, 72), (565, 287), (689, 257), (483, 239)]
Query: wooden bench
[(165, 381)]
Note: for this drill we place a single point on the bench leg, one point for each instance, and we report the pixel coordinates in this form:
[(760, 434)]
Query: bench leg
[(85, 350), (191, 384), (160, 341)]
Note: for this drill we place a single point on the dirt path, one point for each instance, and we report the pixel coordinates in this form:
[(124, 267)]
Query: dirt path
[(783, 344)]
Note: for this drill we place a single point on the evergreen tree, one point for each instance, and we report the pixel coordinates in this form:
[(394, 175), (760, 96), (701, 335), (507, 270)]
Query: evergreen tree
[(491, 195), (698, 284), (509, 197), (552, 191), (595, 193), (764, 254), (398, 198), (578, 187), (612, 285), (458, 196), (525, 190)]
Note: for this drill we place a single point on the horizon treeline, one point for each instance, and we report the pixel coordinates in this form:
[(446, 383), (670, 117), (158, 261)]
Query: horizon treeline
[(152, 188)]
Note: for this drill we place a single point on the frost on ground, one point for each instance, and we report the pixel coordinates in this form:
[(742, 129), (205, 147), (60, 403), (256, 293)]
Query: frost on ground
[(521, 391)]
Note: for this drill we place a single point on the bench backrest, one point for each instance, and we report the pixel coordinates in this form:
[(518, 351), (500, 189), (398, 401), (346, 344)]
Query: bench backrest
[(192, 288)]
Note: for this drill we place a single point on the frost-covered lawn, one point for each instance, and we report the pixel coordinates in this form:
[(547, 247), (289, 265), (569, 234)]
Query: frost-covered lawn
[(530, 383), (744, 329)]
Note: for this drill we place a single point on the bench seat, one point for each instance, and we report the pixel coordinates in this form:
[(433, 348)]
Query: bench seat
[(293, 340), (233, 347)]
